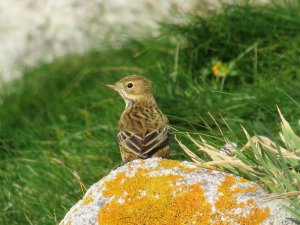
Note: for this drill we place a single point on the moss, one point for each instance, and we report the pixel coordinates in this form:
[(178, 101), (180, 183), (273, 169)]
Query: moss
[(163, 199)]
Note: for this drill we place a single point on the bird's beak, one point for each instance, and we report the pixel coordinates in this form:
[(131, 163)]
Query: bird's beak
[(111, 86)]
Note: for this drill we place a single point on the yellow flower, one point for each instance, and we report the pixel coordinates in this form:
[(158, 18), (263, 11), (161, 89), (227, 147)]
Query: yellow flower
[(220, 69)]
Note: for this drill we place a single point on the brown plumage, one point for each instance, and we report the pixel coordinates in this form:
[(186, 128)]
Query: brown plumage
[(143, 129)]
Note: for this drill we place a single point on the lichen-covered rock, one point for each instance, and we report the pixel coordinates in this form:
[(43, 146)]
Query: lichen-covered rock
[(160, 191)]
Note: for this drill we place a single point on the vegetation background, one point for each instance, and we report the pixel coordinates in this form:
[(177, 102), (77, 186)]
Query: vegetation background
[(58, 123)]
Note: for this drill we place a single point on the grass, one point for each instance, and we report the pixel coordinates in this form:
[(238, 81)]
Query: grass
[(58, 124), (273, 165)]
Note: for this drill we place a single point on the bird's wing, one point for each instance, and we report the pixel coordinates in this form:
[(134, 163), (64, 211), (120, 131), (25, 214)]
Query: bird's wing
[(156, 140), (130, 141), (147, 146)]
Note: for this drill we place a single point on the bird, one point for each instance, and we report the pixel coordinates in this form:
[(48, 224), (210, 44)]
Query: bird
[(144, 131)]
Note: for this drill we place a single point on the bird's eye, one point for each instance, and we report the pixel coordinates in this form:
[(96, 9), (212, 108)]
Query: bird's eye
[(130, 85)]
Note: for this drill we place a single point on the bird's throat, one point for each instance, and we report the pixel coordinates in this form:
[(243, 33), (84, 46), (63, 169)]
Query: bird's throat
[(128, 102), (139, 101)]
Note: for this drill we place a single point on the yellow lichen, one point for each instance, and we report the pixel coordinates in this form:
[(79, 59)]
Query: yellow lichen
[(88, 199), (250, 202), (163, 199), (227, 186), (69, 222), (242, 180), (256, 216), (169, 164), (227, 203)]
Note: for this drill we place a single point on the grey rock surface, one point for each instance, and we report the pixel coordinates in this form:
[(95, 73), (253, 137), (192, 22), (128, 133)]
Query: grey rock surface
[(165, 188)]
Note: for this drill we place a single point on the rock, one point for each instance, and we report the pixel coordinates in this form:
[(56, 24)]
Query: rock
[(40, 31), (160, 191)]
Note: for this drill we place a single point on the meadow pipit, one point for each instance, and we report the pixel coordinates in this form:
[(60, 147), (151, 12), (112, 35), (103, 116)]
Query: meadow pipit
[(143, 129)]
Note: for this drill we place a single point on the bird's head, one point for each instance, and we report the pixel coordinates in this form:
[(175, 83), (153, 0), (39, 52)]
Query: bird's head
[(133, 88)]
